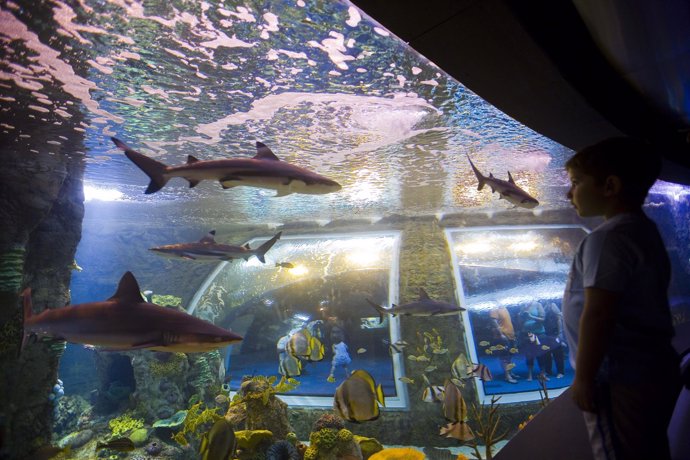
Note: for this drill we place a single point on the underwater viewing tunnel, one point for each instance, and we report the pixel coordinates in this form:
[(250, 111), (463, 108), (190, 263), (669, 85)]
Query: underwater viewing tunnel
[(314, 229)]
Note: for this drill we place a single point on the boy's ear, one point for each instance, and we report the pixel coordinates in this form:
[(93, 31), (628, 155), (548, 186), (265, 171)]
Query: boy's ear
[(613, 185)]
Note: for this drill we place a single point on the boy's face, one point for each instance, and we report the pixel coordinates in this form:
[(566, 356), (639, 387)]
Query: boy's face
[(585, 194)]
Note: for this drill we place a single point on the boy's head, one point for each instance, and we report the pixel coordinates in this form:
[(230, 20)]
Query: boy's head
[(631, 161)]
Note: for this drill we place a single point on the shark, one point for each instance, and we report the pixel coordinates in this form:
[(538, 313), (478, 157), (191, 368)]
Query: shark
[(125, 322), (207, 249), (506, 189), (264, 170), (424, 306)]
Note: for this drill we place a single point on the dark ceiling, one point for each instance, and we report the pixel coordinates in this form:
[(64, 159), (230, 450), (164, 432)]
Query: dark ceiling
[(576, 72)]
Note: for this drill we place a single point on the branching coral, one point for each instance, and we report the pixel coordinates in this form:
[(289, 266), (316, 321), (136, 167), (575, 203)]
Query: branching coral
[(487, 422), (123, 424)]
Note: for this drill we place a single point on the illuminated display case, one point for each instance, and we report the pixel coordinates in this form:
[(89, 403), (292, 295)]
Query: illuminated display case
[(511, 281), (310, 286)]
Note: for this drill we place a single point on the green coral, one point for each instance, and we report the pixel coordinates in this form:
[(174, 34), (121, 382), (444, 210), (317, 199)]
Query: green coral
[(248, 440), (124, 423), (344, 435), (311, 453), (324, 439), (166, 300), (165, 368), (196, 423)]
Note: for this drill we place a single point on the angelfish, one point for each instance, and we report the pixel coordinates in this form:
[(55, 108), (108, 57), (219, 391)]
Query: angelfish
[(506, 189), (357, 399), (264, 170)]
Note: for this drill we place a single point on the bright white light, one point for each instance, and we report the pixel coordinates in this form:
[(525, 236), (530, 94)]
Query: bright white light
[(301, 317), (101, 194), (524, 246), (363, 258), (477, 247), (298, 270)]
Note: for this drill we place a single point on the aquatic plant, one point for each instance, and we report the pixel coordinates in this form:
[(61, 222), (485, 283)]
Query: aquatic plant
[(196, 423), (123, 424), (171, 366), (166, 300), (487, 422)]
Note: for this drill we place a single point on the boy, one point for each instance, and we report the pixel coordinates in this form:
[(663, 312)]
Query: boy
[(615, 307)]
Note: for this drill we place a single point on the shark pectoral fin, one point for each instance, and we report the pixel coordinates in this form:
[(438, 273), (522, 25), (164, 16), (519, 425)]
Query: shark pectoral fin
[(227, 181)]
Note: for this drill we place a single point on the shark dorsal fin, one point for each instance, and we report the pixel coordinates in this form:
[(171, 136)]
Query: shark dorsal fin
[(422, 294), (246, 246), (191, 159), (510, 178), (128, 291), (491, 175), (209, 238), (264, 153)]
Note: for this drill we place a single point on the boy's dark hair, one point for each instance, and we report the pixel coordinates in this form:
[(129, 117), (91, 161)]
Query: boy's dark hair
[(632, 160)]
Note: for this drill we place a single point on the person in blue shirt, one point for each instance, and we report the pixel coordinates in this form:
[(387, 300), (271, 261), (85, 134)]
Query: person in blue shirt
[(615, 307)]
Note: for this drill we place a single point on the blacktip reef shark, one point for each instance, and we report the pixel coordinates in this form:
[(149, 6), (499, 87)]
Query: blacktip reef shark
[(506, 189), (207, 249), (264, 170), (124, 322), (424, 306)]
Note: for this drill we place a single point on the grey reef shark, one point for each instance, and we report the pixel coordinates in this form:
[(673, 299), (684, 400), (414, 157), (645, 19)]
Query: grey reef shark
[(424, 306), (126, 322), (264, 170), (207, 249), (506, 189)]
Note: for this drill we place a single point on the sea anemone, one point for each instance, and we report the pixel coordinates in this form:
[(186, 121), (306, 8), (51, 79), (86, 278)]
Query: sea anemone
[(282, 450)]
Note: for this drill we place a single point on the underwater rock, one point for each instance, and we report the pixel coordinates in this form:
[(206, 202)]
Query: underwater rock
[(68, 411), (154, 448), (261, 412), (76, 439), (283, 450)]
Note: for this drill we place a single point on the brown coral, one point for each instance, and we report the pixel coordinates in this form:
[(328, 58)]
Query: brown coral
[(329, 421)]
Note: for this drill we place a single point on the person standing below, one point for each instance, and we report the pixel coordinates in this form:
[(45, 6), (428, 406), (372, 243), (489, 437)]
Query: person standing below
[(553, 324), (503, 333), (615, 307)]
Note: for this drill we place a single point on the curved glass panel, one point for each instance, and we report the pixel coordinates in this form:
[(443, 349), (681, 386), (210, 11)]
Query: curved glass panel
[(311, 291), (511, 280)]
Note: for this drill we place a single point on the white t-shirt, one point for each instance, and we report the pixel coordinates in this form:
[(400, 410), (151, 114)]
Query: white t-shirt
[(625, 254)]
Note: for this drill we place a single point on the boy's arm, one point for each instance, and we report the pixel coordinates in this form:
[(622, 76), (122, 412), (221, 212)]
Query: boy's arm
[(596, 328)]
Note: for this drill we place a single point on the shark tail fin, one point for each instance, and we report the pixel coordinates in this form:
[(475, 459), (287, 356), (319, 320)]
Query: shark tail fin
[(378, 308), (480, 176), (28, 313), (263, 249), (154, 169)]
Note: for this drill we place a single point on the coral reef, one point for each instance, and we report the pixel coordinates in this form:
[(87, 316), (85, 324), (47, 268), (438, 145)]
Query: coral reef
[(173, 365), (255, 404), (68, 410), (166, 300), (123, 424), (331, 444), (253, 444)]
